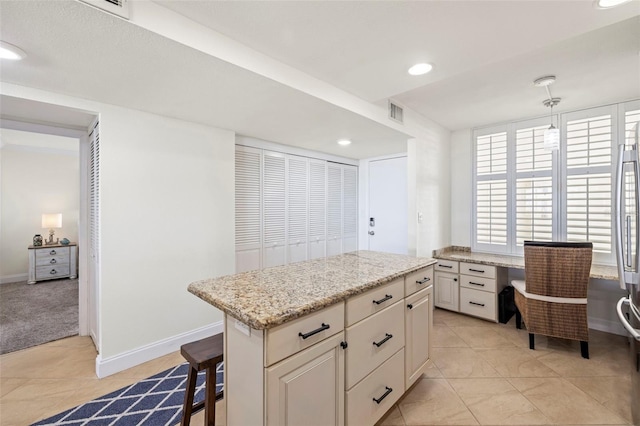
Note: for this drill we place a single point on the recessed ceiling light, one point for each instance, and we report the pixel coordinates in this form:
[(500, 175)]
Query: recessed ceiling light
[(419, 69), (11, 52), (606, 4), (344, 142)]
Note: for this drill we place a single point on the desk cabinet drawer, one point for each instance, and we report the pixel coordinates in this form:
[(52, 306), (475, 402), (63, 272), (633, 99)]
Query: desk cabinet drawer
[(446, 266), (377, 393), (372, 341), (418, 280), (478, 283), (292, 337), (478, 303), (52, 271), (477, 270), (365, 304)]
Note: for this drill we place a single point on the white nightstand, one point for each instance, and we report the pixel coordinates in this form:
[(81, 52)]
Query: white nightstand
[(53, 262)]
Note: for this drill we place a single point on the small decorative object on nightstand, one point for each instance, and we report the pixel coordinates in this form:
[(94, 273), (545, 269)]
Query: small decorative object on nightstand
[(65, 241), (52, 262), (37, 240), (51, 221)]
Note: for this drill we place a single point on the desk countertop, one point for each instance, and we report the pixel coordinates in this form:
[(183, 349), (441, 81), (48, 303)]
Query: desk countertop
[(462, 254), (269, 297)]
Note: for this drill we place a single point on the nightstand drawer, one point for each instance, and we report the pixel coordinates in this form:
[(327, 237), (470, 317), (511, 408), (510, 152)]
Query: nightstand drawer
[(478, 283), (478, 303), (446, 266), (48, 253), (50, 272), (477, 270), (61, 259)]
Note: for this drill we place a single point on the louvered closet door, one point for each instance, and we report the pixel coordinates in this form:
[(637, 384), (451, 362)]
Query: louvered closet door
[(317, 208), (350, 208), (93, 276), (274, 209), (297, 208), (248, 220), (334, 209)]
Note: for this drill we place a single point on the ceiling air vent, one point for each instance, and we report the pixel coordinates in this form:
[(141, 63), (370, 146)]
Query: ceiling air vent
[(116, 7), (395, 112)]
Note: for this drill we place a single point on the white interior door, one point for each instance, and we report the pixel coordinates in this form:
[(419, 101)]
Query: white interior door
[(388, 228)]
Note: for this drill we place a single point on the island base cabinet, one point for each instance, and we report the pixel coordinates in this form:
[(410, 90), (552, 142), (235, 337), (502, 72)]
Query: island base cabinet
[(308, 387), (375, 394), (418, 321)]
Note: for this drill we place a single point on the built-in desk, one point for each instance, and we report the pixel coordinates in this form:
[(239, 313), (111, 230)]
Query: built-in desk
[(470, 283)]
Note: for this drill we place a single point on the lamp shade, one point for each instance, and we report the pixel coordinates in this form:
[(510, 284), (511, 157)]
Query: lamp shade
[(552, 139), (52, 220)]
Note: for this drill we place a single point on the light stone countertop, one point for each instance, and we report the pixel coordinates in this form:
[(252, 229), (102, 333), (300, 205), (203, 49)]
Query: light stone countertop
[(603, 272), (269, 297)]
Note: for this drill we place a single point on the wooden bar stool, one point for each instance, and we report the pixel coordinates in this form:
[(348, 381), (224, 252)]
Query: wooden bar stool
[(204, 354)]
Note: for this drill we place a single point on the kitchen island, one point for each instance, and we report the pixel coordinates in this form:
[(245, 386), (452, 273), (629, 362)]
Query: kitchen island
[(334, 340)]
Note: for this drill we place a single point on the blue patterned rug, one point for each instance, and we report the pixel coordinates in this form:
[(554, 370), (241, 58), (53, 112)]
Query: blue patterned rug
[(156, 401)]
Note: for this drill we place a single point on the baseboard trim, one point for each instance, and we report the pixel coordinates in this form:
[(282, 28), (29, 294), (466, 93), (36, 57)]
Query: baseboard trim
[(607, 326), (114, 364), (13, 278)]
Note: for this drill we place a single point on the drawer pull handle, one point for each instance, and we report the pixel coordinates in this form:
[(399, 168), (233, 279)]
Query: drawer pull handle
[(424, 280), (52, 261), (382, 342), (384, 395), (410, 306), (480, 284), (477, 270), (53, 272), (52, 252), (476, 303), (323, 327), (445, 266), (384, 299)]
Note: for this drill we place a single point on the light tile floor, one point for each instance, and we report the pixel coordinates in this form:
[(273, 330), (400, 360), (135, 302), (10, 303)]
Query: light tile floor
[(483, 373)]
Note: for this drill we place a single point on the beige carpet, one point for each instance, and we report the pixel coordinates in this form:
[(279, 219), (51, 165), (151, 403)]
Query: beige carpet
[(38, 313)]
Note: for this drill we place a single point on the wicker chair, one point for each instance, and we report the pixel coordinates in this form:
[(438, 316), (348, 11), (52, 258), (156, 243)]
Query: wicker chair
[(552, 300)]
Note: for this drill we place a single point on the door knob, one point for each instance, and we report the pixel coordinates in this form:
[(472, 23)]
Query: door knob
[(372, 233)]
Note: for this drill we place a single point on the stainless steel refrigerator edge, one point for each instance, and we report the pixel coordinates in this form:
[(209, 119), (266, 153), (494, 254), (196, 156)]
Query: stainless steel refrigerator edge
[(627, 249)]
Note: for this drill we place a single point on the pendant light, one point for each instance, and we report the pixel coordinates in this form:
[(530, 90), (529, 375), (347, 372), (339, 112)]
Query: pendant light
[(552, 134)]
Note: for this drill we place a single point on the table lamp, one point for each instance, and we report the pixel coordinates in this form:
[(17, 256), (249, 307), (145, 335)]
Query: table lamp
[(51, 221)]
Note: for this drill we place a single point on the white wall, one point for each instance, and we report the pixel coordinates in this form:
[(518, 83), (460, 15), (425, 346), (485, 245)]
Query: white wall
[(34, 181), (461, 187), (167, 219)]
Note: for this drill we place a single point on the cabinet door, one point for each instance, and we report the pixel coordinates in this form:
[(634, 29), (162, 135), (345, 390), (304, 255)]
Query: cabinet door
[(417, 334), (308, 388), (274, 209), (446, 291)]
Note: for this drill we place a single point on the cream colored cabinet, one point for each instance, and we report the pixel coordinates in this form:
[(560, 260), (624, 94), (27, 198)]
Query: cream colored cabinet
[(418, 330), (446, 291), (479, 288), (308, 387)]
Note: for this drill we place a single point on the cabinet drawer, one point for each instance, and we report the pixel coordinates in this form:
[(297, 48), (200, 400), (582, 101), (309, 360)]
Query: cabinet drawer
[(446, 266), (477, 270), (287, 339), (478, 283), (373, 340), (387, 379), (59, 259), (366, 304), (478, 303), (51, 272), (47, 253), (418, 280)]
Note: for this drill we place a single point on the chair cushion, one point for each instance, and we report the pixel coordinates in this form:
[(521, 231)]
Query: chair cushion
[(521, 287)]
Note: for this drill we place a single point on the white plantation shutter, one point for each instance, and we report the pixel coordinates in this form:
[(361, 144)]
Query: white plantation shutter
[(589, 179), (274, 198), (631, 125), (248, 196), (534, 204), (491, 191), (297, 195)]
